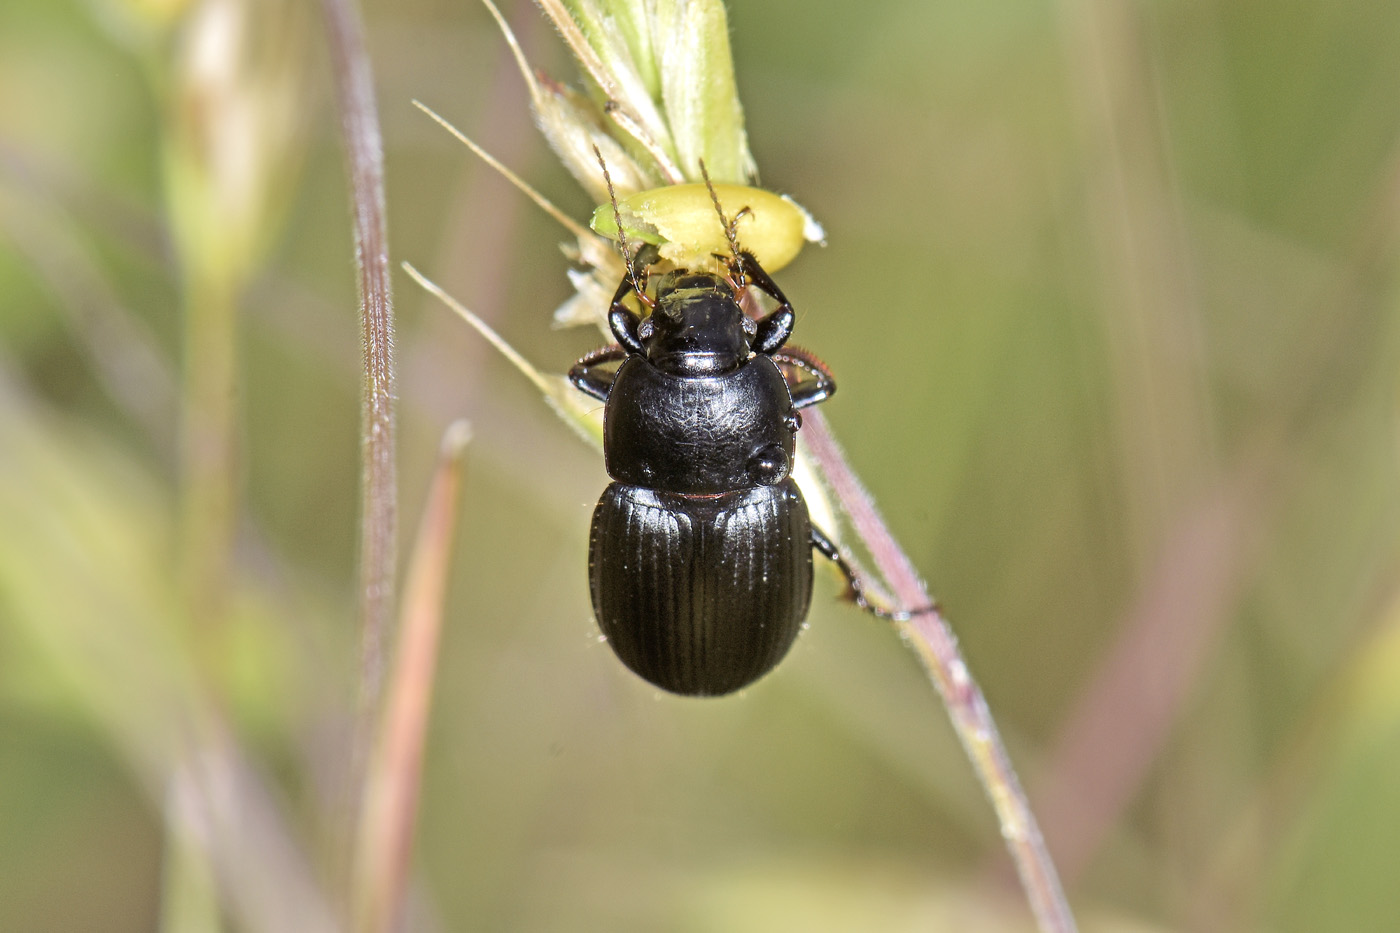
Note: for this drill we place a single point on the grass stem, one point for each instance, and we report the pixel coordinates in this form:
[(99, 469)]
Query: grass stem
[(929, 634), (364, 152)]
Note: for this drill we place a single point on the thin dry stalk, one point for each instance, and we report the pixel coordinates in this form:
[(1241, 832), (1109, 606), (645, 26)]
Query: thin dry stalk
[(932, 639), (390, 804), (219, 807), (354, 91)]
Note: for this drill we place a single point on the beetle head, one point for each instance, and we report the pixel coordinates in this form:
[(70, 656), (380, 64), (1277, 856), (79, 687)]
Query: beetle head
[(697, 327)]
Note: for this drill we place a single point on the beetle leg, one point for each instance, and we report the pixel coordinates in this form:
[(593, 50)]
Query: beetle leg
[(623, 320), (819, 388), (588, 379), (775, 328), (855, 586)]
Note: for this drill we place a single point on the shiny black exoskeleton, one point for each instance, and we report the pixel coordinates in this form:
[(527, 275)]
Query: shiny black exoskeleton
[(700, 556)]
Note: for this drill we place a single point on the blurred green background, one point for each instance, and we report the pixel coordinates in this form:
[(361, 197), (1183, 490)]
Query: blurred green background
[(1111, 293)]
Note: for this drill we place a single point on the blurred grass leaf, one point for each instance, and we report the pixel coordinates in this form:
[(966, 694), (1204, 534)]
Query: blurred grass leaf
[(85, 583), (1339, 858)]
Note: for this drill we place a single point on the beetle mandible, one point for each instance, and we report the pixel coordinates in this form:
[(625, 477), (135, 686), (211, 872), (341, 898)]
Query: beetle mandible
[(700, 552)]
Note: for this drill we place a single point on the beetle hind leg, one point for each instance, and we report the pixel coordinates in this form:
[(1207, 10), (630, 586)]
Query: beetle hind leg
[(855, 587)]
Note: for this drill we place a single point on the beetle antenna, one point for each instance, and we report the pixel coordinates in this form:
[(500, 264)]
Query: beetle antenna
[(622, 234), (730, 227)]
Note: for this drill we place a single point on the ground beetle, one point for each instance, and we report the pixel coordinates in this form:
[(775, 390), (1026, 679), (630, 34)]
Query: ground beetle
[(700, 554)]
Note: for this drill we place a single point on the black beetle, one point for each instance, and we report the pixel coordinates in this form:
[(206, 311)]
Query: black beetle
[(700, 554)]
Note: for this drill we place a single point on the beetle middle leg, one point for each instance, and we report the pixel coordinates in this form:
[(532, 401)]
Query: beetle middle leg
[(856, 586), (819, 388), (586, 376)]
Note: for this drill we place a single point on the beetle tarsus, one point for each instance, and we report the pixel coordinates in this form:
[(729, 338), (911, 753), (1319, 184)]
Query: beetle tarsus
[(855, 587)]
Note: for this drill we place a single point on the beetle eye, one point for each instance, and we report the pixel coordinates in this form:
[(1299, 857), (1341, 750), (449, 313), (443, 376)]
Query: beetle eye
[(750, 326), (646, 329)]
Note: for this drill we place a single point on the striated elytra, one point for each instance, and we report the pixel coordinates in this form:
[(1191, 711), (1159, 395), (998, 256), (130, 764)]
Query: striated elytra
[(701, 595), (700, 555)]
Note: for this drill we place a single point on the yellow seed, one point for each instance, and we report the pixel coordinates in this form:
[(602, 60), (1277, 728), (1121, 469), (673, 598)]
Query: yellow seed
[(681, 220)]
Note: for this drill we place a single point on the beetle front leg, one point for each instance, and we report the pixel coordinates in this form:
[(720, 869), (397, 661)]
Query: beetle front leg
[(775, 328), (819, 388), (855, 586), (586, 376), (623, 322)]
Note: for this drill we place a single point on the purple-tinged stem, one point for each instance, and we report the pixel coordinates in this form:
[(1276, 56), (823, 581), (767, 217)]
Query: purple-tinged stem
[(364, 154), (928, 633)]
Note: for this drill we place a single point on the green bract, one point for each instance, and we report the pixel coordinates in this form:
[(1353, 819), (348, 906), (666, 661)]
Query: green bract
[(657, 107), (661, 79), (682, 221)]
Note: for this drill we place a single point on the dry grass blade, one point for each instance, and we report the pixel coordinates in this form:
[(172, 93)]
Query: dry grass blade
[(390, 803), (573, 226), (578, 412), (481, 327)]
